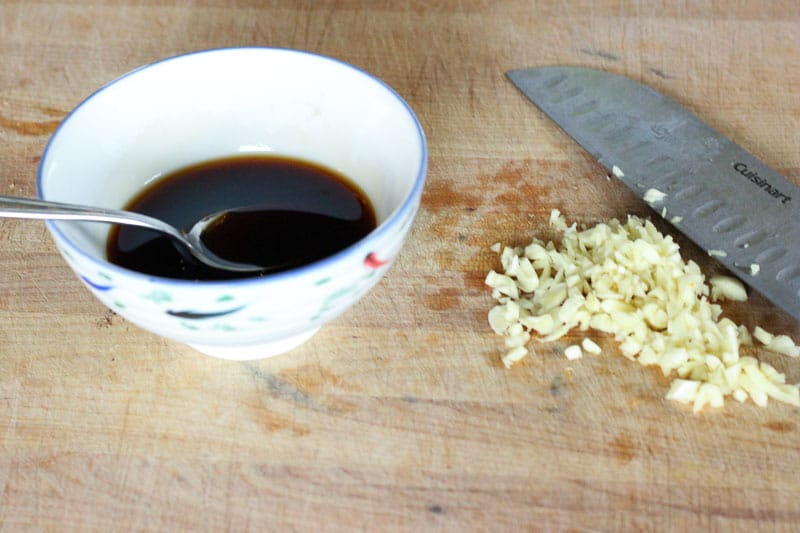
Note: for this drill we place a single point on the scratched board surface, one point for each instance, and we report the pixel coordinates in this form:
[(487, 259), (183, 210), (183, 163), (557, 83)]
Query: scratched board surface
[(398, 415)]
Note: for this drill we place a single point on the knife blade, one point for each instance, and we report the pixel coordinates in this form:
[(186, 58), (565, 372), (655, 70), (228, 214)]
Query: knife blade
[(723, 198)]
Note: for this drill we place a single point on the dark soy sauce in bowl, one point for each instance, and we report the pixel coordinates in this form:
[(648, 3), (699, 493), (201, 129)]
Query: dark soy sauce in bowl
[(295, 213)]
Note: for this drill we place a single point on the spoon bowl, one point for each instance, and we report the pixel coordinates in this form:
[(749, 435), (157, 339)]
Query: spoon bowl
[(189, 243)]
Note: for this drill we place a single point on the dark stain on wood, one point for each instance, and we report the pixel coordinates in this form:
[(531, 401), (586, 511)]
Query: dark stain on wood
[(277, 387), (27, 127), (524, 181), (557, 386), (661, 74), (107, 320), (53, 112), (310, 379), (444, 194), (317, 386), (443, 299), (623, 448), (262, 408), (512, 173), (525, 192), (272, 421), (446, 259), (603, 54), (476, 279), (780, 426)]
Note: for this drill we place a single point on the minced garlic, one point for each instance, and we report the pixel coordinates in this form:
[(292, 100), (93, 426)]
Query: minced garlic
[(628, 280), (654, 196)]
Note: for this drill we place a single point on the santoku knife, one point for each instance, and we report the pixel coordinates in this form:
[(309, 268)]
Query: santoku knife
[(719, 195)]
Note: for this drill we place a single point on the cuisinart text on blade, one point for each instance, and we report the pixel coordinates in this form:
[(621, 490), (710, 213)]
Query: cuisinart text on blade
[(723, 198)]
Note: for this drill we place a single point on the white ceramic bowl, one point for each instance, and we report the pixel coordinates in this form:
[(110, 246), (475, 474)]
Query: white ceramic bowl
[(218, 103)]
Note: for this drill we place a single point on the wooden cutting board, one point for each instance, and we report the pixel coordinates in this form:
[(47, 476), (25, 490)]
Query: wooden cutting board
[(399, 415)]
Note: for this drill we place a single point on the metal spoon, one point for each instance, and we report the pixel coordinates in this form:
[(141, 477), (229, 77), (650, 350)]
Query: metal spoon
[(16, 207)]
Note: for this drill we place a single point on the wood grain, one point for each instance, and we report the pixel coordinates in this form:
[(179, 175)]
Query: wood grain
[(397, 416)]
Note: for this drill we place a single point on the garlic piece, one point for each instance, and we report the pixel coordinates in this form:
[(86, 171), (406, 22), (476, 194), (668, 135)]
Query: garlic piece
[(573, 352), (683, 390), (590, 346), (514, 355), (783, 345), (727, 288), (654, 196), (762, 336)]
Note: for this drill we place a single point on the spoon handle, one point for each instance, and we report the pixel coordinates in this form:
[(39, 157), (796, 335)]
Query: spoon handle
[(16, 207)]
